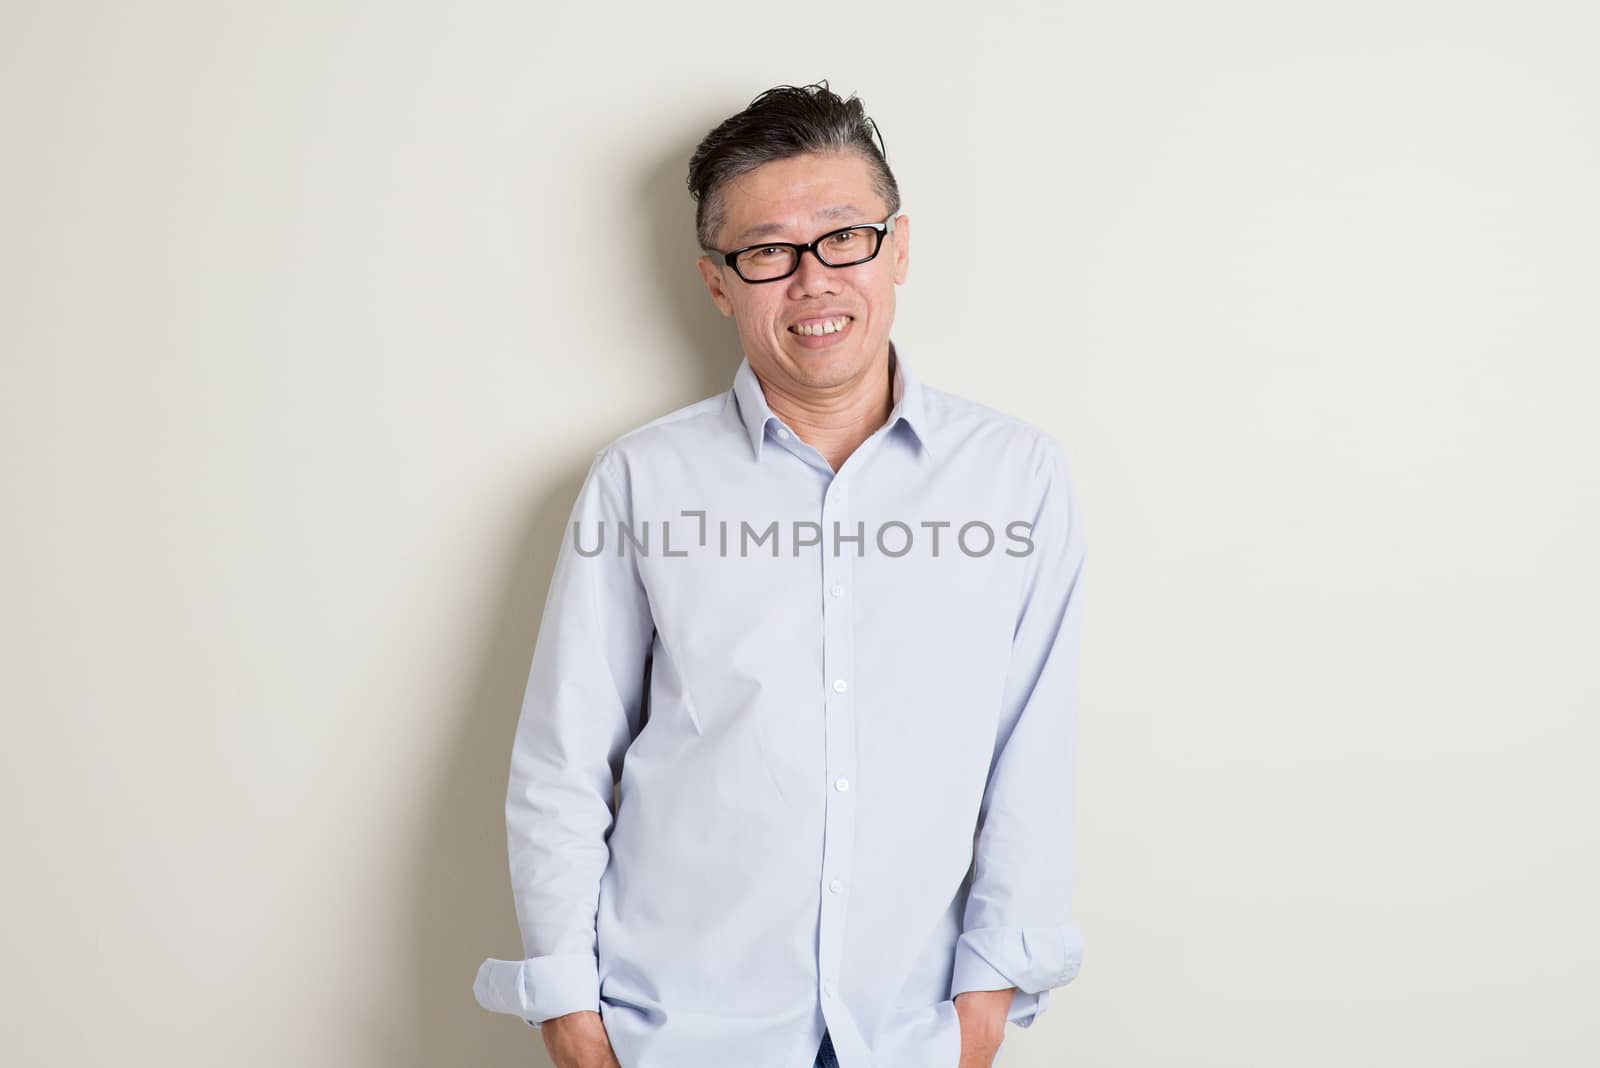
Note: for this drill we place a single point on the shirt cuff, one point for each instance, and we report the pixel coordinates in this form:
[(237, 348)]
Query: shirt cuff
[(539, 988), (1032, 959)]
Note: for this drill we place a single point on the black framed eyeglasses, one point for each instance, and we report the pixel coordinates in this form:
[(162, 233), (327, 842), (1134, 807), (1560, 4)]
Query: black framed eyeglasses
[(774, 261)]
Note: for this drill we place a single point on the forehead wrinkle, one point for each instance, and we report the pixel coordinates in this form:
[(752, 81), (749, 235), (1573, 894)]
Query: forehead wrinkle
[(834, 212)]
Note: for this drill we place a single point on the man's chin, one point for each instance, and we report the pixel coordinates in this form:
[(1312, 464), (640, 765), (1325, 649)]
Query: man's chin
[(823, 370), (837, 356)]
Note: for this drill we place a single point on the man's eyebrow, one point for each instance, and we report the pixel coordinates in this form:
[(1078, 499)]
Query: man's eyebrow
[(755, 233)]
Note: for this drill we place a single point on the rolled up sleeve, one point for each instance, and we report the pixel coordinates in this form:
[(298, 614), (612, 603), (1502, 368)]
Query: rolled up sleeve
[(580, 711), (1019, 928)]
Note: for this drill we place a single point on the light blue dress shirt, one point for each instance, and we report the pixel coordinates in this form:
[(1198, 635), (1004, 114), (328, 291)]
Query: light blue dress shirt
[(838, 711)]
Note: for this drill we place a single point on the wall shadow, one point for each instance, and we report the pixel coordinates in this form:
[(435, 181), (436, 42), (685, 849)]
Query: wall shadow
[(463, 908)]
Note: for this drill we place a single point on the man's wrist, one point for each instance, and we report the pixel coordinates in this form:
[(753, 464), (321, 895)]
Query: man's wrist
[(989, 1006)]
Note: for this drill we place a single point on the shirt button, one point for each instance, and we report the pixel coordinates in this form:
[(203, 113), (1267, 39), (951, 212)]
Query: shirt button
[(783, 432), (827, 987), (838, 685), (836, 886), (837, 591), (841, 784)]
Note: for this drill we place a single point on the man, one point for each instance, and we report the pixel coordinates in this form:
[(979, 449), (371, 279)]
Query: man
[(821, 632)]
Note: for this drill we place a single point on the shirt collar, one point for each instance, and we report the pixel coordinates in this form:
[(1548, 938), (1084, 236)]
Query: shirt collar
[(909, 402)]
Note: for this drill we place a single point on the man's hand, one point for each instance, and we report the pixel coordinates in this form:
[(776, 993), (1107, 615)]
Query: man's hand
[(578, 1040), (983, 1024)]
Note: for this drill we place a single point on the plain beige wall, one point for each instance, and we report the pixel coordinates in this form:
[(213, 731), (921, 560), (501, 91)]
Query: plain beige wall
[(314, 313)]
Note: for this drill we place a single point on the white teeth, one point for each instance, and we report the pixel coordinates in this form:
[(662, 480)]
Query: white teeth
[(827, 326)]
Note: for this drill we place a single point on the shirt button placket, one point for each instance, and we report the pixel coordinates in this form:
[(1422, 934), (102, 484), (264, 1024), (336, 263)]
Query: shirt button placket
[(839, 730)]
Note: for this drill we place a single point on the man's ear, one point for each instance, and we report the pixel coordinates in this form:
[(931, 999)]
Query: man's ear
[(902, 248), (711, 273)]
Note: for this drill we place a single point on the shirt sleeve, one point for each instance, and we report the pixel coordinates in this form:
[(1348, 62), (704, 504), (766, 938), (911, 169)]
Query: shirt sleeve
[(580, 712), (1018, 928)]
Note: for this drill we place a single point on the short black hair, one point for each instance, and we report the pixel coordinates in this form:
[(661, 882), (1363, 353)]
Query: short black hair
[(783, 122)]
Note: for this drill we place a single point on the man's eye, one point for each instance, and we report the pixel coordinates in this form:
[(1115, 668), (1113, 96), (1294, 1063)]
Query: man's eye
[(846, 237), (768, 252)]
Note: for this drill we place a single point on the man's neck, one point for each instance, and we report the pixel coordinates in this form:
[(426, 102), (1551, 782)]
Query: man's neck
[(835, 425)]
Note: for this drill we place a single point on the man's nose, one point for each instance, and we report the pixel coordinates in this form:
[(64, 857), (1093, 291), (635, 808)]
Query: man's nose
[(814, 276)]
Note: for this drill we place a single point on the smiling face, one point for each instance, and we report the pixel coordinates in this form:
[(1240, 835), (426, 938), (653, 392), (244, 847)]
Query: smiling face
[(799, 199)]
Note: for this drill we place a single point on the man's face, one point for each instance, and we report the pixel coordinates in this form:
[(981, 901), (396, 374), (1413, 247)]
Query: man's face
[(803, 198)]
